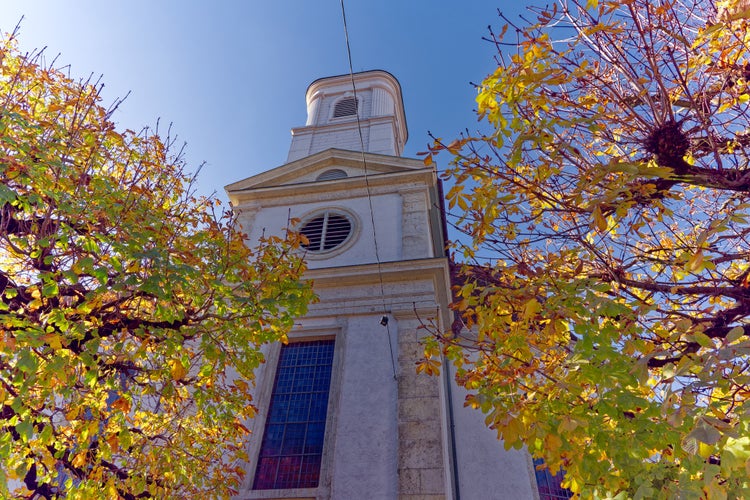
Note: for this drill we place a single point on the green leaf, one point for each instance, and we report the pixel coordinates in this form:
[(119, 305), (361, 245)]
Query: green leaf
[(7, 195), (50, 289), (735, 334), (25, 429)]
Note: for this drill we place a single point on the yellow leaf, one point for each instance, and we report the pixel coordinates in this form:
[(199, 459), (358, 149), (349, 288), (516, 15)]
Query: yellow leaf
[(599, 220), (178, 371), (567, 425), (571, 483), (532, 307), (704, 450), (461, 200), (112, 489), (53, 340), (71, 414), (454, 146), (553, 443), (695, 263), (79, 460)]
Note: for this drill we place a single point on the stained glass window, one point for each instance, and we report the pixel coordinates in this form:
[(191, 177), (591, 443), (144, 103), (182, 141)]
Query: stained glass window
[(549, 484), (292, 446)]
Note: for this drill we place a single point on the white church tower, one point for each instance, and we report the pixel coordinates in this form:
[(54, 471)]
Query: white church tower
[(342, 412)]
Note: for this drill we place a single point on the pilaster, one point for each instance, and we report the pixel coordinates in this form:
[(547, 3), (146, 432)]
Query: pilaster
[(246, 215), (415, 225), (421, 471)]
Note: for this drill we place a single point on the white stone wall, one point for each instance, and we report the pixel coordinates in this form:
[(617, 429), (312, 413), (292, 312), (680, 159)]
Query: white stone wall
[(345, 136), (387, 216), (484, 464), (379, 135), (366, 447)]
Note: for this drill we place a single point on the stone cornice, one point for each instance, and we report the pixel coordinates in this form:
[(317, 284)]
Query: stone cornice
[(434, 270), (287, 173)]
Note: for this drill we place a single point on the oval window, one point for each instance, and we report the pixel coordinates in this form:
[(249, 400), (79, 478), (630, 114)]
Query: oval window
[(326, 231)]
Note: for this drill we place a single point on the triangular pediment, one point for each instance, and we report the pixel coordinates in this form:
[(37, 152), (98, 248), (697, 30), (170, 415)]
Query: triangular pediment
[(307, 170)]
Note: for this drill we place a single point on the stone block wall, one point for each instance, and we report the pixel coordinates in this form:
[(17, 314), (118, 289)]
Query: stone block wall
[(421, 471)]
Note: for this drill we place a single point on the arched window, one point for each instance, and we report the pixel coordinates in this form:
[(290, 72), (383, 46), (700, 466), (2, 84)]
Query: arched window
[(329, 175), (345, 107), (326, 231)]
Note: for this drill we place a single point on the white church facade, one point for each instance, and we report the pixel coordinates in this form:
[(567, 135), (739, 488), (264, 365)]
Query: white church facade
[(342, 412)]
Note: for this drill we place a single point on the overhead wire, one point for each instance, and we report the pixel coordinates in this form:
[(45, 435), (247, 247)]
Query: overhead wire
[(384, 321)]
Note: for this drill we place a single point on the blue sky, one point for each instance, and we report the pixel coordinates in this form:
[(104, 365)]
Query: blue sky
[(231, 75)]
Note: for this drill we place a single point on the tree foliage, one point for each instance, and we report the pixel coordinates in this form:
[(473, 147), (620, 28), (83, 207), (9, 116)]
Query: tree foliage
[(131, 312), (607, 246)]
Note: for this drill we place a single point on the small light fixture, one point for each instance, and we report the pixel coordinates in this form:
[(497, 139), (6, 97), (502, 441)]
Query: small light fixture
[(384, 321)]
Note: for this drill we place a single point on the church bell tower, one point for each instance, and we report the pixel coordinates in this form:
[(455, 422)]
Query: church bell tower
[(342, 412)]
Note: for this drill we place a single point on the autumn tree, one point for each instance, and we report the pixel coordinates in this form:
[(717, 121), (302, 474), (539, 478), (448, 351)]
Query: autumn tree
[(606, 247), (131, 312)]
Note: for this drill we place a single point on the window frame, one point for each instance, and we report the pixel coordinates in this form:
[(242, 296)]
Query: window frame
[(352, 237), (297, 379), (262, 397)]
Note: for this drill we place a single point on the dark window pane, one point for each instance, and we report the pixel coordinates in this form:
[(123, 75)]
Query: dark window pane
[(279, 408), (314, 441), (310, 471), (318, 409), (299, 408), (322, 377), (294, 439), (292, 444), (289, 471), (287, 358), (303, 379), (266, 473), (284, 382), (272, 441)]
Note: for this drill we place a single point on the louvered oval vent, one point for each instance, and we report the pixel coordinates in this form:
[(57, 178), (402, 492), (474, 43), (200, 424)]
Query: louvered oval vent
[(326, 232), (345, 107), (332, 174)]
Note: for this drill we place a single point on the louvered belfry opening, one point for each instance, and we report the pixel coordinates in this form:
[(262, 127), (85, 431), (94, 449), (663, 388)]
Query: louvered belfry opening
[(345, 107), (326, 231)]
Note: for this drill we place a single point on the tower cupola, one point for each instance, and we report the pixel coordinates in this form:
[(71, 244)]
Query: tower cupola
[(339, 107)]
